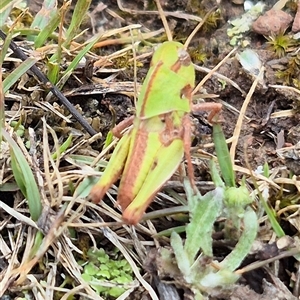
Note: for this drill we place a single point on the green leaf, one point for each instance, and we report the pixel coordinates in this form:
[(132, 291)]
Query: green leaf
[(116, 291), (266, 170), (242, 248), (219, 279), (90, 269), (203, 214), (103, 274), (86, 277), (237, 198), (122, 279), (181, 256)]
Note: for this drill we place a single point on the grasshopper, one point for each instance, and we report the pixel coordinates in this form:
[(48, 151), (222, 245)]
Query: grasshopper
[(152, 150)]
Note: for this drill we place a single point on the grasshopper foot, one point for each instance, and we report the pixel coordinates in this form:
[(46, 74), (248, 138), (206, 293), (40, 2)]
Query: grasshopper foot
[(97, 193)]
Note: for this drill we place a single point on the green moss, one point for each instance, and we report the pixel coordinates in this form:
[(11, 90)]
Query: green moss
[(280, 44), (125, 62), (212, 21), (290, 75), (197, 8), (198, 55)]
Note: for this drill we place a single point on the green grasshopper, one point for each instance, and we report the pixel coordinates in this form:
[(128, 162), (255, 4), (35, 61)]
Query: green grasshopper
[(152, 150)]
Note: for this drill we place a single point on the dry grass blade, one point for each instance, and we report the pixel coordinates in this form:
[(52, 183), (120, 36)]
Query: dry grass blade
[(41, 76), (238, 126), (164, 20), (222, 77), (197, 28), (9, 276), (19, 216)]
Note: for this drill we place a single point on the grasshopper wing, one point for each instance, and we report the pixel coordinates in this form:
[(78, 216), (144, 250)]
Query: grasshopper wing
[(113, 169), (163, 167)]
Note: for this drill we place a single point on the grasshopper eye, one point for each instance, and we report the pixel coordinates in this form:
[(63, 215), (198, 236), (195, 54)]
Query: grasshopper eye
[(184, 57)]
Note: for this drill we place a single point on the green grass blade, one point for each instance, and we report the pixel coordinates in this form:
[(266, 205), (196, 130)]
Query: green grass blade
[(76, 60), (85, 187), (80, 11), (168, 232), (18, 175), (272, 217), (108, 140), (2, 107), (48, 30), (223, 156), (46, 13), (5, 9), (53, 71), (13, 77), (25, 177), (38, 240), (5, 47), (63, 147)]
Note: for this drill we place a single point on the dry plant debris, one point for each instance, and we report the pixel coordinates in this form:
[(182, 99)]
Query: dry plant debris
[(49, 232)]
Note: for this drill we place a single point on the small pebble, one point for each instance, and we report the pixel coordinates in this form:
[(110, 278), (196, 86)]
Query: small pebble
[(272, 22), (238, 1)]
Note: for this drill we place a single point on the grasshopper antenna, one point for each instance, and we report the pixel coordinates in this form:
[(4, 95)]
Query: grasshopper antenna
[(134, 67), (164, 20)]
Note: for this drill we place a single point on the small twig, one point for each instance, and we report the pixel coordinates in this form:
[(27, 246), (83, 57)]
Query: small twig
[(56, 92), (260, 264), (175, 14), (221, 77), (197, 28)]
